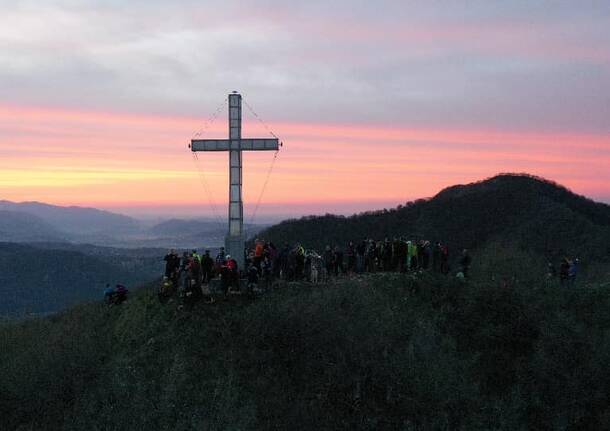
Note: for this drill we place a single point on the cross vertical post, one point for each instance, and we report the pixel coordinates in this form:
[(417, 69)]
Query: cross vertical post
[(235, 239)]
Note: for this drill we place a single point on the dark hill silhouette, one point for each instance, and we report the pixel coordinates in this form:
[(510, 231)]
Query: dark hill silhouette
[(529, 211)]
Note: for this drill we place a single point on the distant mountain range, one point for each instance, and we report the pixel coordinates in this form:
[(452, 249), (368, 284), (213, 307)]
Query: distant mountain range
[(16, 226), (53, 256), (29, 222), (75, 220)]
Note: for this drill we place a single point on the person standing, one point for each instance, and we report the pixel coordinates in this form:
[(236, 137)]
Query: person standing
[(444, 259), (207, 267), (402, 254), (436, 257), (338, 260), (573, 271), (267, 272), (329, 263), (412, 256), (225, 279), (184, 279), (465, 262), (194, 289), (259, 248), (299, 261), (172, 264), (386, 255), (351, 258), (252, 276), (564, 271), (360, 252), (234, 271), (221, 257), (427, 255)]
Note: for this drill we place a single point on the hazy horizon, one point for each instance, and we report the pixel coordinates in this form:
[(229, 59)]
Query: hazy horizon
[(267, 213)]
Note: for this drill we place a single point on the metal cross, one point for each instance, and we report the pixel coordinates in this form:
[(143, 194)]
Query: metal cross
[(235, 240)]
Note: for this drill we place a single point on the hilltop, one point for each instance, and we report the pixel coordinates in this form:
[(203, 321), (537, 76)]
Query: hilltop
[(516, 209), (377, 352)]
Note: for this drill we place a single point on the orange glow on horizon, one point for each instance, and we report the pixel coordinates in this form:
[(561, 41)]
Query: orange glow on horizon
[(128, 160)]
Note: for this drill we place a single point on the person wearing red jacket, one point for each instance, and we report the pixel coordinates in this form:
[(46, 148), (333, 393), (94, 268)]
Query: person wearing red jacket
[(229, 274)]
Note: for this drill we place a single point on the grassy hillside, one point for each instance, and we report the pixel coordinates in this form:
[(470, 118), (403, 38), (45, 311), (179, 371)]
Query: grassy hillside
[(530, 212), (378, 352)]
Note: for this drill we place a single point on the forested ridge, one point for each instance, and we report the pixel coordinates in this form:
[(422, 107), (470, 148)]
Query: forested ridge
[(520, 209)]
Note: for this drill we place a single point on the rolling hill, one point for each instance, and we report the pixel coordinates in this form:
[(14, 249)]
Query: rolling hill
[(517, 209)]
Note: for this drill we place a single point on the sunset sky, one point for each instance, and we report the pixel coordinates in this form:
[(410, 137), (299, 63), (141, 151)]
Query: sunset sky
[(377, 102)]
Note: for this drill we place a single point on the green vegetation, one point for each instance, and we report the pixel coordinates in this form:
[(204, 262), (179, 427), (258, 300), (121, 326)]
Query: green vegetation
[(377, 352)]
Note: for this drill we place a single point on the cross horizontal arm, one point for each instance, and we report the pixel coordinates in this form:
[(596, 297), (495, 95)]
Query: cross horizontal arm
[(234, 144), (210, 145), (259, 144)]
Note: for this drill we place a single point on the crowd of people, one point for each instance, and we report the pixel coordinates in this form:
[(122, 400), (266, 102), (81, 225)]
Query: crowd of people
[(192, 270), (191, 273), (368, 255), (265, 263)]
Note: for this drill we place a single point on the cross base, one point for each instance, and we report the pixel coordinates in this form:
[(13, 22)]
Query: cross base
[(235, 245)]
